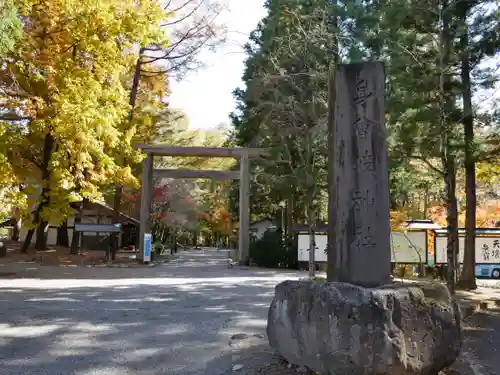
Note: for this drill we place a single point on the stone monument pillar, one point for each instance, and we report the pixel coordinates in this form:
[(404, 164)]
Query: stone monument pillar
[(360, 224)]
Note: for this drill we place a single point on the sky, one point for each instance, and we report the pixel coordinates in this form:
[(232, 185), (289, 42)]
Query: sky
[(206, 95)]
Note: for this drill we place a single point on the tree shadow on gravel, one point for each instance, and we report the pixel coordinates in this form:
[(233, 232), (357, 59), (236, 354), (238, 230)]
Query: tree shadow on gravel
[(175, 319), (482, 341), (145, 329)]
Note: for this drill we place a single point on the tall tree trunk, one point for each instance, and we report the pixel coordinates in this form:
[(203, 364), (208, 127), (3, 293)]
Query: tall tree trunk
[(116, 213), (42, 235), (27, 241), (312, 239), (452, 218), (135, 84), (468, 277), (332, 268), (16, 230), (289, 220), (195, 239), (62, 234), (132, 101), (41, 232), (447, 154), (75, 240), (16, 216), (174, 240)]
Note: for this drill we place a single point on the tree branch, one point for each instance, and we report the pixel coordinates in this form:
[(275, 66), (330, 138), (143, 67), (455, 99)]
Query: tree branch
[(428, 163), (14, 117)]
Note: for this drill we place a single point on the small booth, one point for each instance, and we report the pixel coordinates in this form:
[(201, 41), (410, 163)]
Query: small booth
[(99, 228)]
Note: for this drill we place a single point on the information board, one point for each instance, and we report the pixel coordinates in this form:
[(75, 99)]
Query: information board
[(320, 250), (410, 247), (487, 250)]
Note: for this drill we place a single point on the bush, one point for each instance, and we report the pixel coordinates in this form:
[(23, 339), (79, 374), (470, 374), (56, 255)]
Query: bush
[(158, 248), (270, 251), (291, 259), (403, 270)]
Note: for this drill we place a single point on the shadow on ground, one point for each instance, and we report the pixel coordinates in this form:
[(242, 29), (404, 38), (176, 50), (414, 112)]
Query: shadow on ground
[(186, 265), (140, 328), (482, 341), (172, 319)]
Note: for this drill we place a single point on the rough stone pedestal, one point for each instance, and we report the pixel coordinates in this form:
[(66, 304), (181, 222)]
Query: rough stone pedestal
[(339, 328)]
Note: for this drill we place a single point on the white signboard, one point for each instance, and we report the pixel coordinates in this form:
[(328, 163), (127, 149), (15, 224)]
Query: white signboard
[(405, 247), (487, 250), (320, 250), (409, 247), (441, 243)]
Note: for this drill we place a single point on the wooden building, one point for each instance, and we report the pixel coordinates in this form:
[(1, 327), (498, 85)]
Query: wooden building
[(95, 213)]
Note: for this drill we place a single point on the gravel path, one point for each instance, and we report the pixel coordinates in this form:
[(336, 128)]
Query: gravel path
[(482, 342), (175, 318), (179, 318)]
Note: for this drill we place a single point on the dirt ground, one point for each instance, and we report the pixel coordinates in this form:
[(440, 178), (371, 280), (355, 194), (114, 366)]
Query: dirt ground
[(278, 366), (60, 256)]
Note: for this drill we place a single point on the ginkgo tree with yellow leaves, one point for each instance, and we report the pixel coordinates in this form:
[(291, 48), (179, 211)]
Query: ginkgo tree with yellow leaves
[(62, 85)]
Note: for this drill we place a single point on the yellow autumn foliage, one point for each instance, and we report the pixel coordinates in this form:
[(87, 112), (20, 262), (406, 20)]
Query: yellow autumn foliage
[(64, 79), (397, 220)]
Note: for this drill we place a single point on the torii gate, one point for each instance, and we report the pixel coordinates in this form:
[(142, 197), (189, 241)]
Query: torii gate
[(243, 154)]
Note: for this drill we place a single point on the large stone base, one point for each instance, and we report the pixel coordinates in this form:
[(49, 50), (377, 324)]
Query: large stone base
[(342, 329)]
